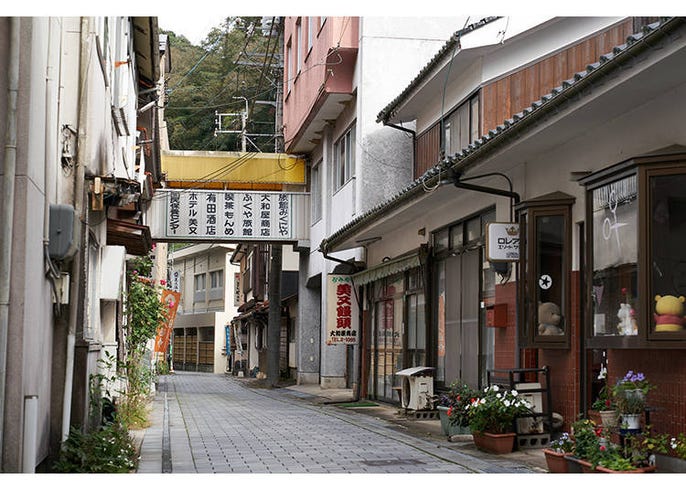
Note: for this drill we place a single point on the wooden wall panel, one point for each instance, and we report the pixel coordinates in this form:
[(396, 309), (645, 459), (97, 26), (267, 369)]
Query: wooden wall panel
[(509, 95), (503, 98), (427, 150)]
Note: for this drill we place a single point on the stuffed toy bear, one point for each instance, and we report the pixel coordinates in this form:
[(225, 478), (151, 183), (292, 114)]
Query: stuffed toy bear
[(549, 319), (669, 311)]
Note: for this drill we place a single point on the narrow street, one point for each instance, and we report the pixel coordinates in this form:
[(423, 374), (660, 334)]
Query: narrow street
[(210, 423)]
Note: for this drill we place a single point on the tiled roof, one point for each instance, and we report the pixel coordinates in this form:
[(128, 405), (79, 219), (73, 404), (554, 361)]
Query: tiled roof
[(467, 156), (447, 48)]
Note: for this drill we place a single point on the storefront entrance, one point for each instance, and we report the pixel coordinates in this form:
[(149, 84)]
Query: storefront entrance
[(458, 290)]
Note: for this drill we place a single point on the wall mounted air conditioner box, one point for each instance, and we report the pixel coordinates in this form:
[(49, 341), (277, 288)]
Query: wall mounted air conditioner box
[(417, 389), (63, 232)]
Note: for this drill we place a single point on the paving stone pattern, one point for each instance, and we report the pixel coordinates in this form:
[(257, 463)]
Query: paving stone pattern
[(207, 423)]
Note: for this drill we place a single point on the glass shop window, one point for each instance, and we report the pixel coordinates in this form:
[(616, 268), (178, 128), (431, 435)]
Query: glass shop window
[(614, 291), (667, 243), (637, 253), (545, 267)]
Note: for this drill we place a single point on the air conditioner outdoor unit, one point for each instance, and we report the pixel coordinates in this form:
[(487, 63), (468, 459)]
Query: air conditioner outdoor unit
[(417, 389)]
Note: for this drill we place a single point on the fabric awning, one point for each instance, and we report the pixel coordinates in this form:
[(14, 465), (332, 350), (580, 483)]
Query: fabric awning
[(386, 269)]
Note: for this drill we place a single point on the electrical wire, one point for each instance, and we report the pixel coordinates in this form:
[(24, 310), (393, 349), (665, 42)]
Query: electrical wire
[(429, 189)]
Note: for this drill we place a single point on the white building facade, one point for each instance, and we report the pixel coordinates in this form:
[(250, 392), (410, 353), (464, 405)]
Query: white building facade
[(74, 189), (338, 72)]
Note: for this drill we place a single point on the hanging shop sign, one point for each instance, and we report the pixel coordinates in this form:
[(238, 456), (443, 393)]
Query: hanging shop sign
[(502, 242), (228, 216), (343, 318), (171, 300)]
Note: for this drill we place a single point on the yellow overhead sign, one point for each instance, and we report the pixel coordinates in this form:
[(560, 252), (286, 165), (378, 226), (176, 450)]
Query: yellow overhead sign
[(196, 168)]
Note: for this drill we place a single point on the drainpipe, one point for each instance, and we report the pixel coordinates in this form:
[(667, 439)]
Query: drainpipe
[(7, 217), (81, 251), (50, 158)]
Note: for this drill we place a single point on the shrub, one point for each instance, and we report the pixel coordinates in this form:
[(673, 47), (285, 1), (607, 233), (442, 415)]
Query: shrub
[(108, 449)]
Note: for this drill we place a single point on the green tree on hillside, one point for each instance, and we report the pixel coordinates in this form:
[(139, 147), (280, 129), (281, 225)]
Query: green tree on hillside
[(236, 59)]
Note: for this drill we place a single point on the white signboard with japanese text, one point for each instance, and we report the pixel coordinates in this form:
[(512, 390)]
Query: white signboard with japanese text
[(502, 242), (343, 320), (231, 216)]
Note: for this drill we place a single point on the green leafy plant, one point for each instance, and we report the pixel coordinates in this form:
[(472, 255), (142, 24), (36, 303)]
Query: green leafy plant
[(604, 400), (458, 400), (145, 312), (108, 449), (586, 444), (593, 444), (496, 409), (563, 444), (630, 391)]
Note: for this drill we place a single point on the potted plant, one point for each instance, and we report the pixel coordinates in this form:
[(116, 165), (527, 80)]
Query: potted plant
[(555, 454), (606, 407), (586, 442), (492, 416), (595, 452), (629, 394), (453, 408)]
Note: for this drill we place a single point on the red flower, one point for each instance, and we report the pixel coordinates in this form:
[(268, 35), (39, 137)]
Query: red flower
[(459, 398), (450, 411), (603, 448), (608, 403), (163, 282)]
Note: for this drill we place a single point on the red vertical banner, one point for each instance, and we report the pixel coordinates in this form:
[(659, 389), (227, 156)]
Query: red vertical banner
[(171, 300)]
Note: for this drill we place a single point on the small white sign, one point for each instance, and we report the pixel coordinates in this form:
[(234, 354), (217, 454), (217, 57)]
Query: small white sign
[(545, 281), (502, 242)]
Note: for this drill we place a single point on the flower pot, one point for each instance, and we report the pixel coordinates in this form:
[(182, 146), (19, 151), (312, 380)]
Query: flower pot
[(556, 461), (631, 420), (609, 418), (495, 443)]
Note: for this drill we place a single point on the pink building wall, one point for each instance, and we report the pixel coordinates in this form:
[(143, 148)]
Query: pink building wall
[(326, 67)]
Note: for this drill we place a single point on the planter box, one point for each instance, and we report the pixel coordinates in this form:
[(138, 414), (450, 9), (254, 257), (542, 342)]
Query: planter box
[(573, 464), (556, 461), (448, 428), (669, 464), (576, 465)]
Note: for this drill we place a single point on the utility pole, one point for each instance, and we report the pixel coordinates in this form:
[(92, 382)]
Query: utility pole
[(275, 261)]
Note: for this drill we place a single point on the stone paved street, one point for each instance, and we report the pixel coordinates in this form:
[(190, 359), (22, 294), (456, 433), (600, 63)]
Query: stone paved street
[(207, 423)]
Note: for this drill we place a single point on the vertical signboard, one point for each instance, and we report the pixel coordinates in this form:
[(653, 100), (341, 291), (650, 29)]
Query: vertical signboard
[(236, 289), (502, 242), (343, 319), (171, 301)]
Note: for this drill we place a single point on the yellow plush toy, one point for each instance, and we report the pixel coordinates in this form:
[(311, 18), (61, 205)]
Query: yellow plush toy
[(669, 311)]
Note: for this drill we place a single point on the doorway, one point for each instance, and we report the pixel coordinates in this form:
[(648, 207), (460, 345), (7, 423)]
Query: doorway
[(461, 360)]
